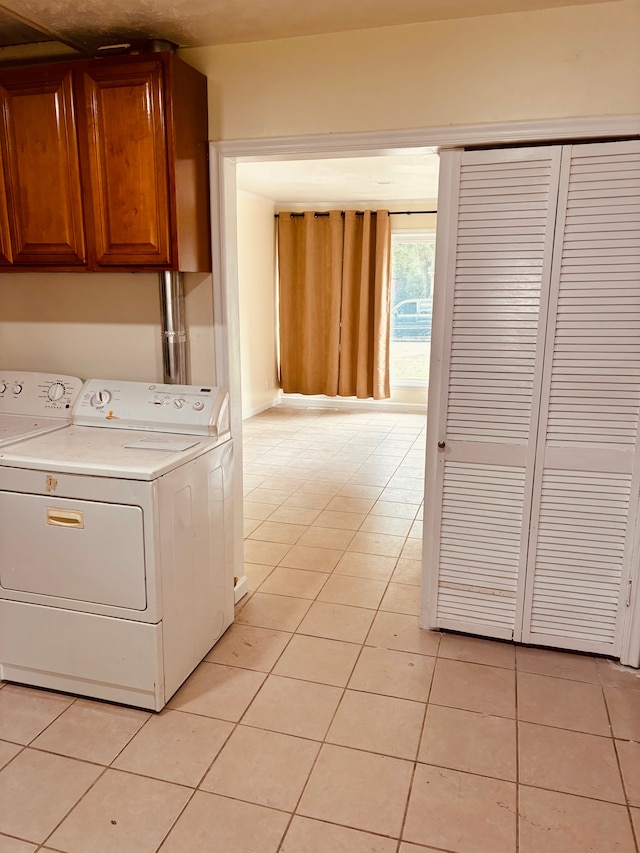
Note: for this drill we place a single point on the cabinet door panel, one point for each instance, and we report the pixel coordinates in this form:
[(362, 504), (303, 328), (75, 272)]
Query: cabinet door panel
[(42, 167), (128, 164)]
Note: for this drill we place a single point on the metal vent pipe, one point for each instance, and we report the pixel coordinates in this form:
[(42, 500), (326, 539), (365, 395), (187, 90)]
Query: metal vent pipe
[(174, 335)]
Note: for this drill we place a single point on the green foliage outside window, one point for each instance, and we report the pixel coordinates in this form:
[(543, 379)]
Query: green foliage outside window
[(412, 270)]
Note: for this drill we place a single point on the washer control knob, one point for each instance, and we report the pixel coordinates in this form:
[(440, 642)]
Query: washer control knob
[(3, 387), (17, 388), (158, 402), (100, 398), (55, 392), (178, 403), (198, 405)]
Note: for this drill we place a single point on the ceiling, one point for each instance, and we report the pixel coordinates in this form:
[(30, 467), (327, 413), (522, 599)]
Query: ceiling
[(86, 25), (386, 179)]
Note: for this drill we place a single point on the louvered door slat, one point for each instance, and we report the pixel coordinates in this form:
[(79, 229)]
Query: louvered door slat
[(580, 554)]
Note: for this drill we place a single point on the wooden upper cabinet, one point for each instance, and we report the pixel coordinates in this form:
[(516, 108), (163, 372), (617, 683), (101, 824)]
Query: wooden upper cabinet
[(128, 166), (43, 197), (106, 165), (147, 162)]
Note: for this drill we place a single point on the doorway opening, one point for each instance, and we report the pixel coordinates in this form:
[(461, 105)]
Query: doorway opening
[(258, 189), (405, 185)]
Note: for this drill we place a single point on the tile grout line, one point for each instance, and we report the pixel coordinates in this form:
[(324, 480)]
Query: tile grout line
[(517, 733), (634, 834), (75, 804), (416, 762)]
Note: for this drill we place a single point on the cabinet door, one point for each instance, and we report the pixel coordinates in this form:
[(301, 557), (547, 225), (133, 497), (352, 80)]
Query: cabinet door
[(40, 151), (128, 164), (587, 464), (493, 266)]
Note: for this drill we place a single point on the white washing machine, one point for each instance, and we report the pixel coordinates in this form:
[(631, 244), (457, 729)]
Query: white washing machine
[(34, 403), (116, 567)]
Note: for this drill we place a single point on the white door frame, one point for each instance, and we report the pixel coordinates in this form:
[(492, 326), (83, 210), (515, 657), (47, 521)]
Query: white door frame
[(222, 163)]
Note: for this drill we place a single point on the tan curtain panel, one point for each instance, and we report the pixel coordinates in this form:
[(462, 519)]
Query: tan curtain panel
[(364, 339), (334, 279), (310, 277)]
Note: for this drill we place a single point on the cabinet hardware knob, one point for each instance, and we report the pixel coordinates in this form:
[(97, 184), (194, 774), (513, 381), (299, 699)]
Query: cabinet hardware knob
[(441, 444)]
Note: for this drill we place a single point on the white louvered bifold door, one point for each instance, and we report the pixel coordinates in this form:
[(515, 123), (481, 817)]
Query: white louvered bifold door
[(493, 266), (587, 477)]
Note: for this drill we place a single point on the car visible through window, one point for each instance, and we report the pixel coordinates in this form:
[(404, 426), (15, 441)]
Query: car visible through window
[(411, 319)]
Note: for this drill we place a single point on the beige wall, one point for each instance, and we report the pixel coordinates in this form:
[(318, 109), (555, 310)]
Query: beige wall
[(199, 320), (572, 61), (256, 280), (98, 325)]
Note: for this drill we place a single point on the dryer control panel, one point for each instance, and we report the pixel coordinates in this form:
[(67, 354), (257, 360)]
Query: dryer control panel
[(185, 409), (38, 394)]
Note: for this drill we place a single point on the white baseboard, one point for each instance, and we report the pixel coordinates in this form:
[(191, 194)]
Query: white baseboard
[(302, 401), (263, 408), (241, 588)]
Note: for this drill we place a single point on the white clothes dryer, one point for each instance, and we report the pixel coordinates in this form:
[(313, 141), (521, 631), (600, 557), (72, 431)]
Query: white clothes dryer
[(117, 565)]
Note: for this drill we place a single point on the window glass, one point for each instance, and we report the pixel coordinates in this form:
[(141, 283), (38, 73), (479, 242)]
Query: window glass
[(412, 258)]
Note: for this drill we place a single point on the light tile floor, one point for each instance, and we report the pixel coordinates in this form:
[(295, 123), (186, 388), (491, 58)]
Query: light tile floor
[(325, 721)]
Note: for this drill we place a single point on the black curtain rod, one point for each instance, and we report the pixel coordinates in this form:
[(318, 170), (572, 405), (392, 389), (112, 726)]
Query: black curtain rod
[(293, 214)]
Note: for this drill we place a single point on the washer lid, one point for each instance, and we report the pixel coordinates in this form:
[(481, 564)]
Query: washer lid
[(107, 452), (18, 427)]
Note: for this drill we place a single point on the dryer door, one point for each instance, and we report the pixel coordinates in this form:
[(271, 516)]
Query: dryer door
[(85, 551)]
